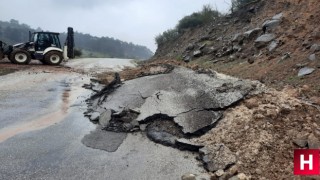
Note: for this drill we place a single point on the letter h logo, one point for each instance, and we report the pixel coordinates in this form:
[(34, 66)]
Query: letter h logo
[(306, 162)]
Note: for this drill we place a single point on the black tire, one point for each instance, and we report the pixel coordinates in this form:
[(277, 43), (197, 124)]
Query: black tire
[(1, 55), (20, 56), (43, 61), (53, 58)]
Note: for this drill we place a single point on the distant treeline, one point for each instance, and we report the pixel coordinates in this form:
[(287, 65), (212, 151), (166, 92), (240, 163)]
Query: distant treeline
[(13, 32)]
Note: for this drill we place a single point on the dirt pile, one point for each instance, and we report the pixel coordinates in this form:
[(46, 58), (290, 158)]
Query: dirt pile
[(264, 130)]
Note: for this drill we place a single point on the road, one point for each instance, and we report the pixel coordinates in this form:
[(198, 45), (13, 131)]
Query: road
[(42, 125)]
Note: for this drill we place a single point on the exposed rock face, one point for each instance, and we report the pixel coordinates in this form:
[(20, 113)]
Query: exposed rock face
[(218, 157)]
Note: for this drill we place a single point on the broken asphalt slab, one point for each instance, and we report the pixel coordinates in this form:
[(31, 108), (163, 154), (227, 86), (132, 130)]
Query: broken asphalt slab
[(194, 100)]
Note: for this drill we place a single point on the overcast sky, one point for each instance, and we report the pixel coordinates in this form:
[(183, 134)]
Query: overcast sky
[(136, 21)]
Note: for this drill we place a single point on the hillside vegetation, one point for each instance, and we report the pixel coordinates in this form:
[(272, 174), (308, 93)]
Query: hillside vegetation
[(13, 32)]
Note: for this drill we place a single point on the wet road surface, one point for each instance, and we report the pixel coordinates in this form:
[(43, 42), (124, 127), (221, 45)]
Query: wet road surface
[(42, 124)]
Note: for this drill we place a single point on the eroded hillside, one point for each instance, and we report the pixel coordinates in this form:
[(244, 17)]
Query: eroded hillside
[(276, 42)]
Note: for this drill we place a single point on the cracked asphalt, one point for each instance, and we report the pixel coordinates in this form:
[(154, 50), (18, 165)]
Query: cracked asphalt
[(42, 125)]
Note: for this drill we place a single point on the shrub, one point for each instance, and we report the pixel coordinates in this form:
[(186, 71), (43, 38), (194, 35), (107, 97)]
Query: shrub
[(198, 18), (167, 36), (206, 15), (238, 4)]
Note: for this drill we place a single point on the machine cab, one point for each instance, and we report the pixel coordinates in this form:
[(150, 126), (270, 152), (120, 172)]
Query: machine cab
[(44, 40)]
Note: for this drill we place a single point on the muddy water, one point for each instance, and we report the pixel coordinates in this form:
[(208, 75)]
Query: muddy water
[(38, 98), (43, 121)]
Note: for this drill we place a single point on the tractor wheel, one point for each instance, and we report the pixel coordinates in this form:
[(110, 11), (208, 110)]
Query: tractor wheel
[(53, 58), (43, 62), (1, 55), (20, 56)]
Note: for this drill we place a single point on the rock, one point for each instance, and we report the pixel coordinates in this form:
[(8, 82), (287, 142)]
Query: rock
[(234, 178), (242, 176), (301, 142), (313, 142), (232, 58), (187, 59), (237, 48), (202, 46), (105, 118), (315, 48), (286, 56), (238, 38), (270, 24), (264, 39), (312, 57), (203, 177), (94, 116), (250, 60), (143, 127), (219, 173), (299, 66), (197, 53), (233, 170), (278, 16), (188, 177), (315, 100), (161, 137), (217, 157), (259, 171), (305, 71), (273, 45), (185, 144), (251, 103), (252, 33), (209, 50), (190, 47)]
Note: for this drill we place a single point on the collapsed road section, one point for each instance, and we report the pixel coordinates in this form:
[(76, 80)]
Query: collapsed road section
[(170, 107)]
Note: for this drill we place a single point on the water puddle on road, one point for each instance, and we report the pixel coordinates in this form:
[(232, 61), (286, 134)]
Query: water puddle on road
[(45, 121)]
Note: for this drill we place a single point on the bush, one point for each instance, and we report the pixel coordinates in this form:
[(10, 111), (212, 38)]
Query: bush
[(238, 4), (198, 18), (206, 15), (167, 36)]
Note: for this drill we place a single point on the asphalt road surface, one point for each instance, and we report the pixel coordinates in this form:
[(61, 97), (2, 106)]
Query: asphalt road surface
[(42, 125)]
